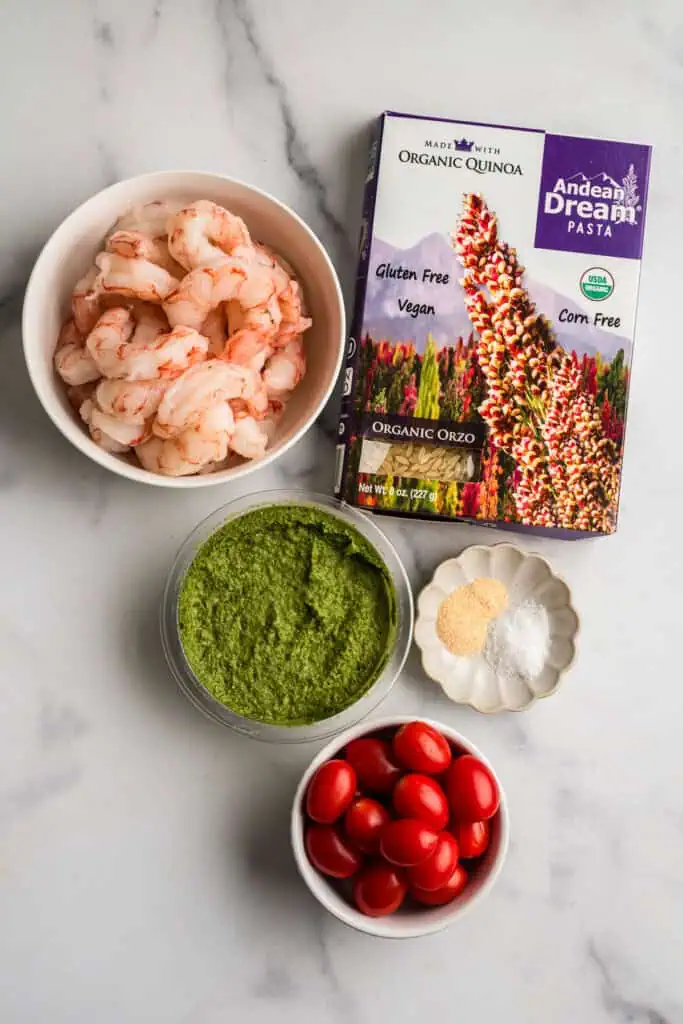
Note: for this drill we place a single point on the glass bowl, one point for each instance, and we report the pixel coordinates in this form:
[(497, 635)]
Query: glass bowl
[(214, 709)]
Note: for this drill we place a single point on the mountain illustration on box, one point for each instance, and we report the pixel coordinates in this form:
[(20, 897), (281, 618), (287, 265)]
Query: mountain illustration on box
[(383, 319), (597, 179)]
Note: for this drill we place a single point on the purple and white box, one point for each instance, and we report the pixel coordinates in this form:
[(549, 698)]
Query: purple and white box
[(488, 367)]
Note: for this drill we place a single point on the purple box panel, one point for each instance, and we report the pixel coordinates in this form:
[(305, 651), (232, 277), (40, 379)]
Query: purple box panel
[(593, 196)]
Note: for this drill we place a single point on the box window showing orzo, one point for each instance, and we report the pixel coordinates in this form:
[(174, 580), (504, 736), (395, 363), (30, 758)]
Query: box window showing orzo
[(489, 364)]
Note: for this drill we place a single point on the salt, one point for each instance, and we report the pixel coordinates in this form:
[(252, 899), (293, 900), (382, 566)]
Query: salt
[(517, 641)]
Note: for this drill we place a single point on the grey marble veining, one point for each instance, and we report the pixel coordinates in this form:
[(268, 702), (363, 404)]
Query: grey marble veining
[(145, 873)]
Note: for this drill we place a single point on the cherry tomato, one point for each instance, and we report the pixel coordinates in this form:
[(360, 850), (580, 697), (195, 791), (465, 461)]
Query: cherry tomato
[(364, 821), (330, 791), (378, 890), (419, 796), (330, 852), (407, 842), (422, 748), (453, 887), (473, 838), (472, 790), (374, 764), (434, 873)]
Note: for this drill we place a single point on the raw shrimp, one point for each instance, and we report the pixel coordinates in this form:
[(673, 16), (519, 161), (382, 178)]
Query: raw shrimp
[(133, 401), (73, 362), (200, 388), (293, 321), (285, 368), (202, 290), (248, 439), (203, 234), (99, 437), (134, 278), (85, 301), (215, 329), (204, 443), (136, 245), (122, 351)]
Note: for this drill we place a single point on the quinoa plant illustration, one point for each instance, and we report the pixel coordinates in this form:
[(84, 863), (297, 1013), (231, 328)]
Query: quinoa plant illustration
[(537, 406), (630, 186)]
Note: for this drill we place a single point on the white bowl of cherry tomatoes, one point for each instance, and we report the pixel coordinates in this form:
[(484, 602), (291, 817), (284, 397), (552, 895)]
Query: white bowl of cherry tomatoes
[(399, 827)]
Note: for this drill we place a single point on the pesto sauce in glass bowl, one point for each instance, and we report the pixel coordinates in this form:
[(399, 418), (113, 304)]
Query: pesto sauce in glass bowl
[(287, 615)]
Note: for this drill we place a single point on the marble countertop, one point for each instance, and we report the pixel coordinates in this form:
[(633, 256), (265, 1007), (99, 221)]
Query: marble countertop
[(145, 874)]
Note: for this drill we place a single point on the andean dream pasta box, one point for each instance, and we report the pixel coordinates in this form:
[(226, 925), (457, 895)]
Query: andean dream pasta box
[(487, 373)]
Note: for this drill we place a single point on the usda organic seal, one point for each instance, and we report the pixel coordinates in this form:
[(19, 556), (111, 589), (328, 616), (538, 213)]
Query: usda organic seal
[(596, 284)]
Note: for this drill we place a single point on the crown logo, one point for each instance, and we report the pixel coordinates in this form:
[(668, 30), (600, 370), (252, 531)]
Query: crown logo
[(463, 145)]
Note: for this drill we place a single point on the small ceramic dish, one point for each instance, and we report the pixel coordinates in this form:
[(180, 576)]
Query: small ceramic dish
[(471, 680), (411, 920)]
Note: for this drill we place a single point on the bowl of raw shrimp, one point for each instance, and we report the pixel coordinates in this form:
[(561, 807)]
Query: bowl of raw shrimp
[(183, 329)]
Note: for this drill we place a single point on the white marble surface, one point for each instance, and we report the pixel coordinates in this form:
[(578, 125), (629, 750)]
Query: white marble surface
[(145, 874)]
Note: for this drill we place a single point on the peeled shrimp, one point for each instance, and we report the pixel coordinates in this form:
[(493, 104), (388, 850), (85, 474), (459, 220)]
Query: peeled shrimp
[(127, 434), (248, 438), (200, 388), (202, 290), (248, 350), (240, 277), (73, 362), (134, 278), (285, 368), (281, 270), (292, 311), (149, 218), (122, 351), (203, 443), (215, 329), (136, 245), (133, 401), (98, 435), (109, 338), (251, 333), (85, 301), (203, 234)]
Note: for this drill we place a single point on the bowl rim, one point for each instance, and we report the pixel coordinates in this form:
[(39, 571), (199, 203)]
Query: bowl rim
[(318, 886), (327, 728), (535, 698), (70, 429)]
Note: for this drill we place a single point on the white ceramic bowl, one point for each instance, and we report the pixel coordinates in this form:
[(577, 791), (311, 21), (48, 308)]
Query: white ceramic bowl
[(71, 250), (471, 680), (408, 922)]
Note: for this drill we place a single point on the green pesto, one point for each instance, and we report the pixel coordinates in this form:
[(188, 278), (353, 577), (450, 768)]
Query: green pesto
[(287, 615)]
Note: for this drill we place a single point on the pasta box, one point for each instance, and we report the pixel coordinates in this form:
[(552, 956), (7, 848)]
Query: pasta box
[(488, 367)]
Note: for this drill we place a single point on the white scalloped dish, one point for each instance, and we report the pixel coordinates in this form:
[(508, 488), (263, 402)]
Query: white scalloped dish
[(471, 680)]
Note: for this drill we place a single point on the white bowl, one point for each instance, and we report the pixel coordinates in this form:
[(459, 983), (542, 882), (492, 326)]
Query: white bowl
[(471, 680), (71, 250), (408, 922)]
